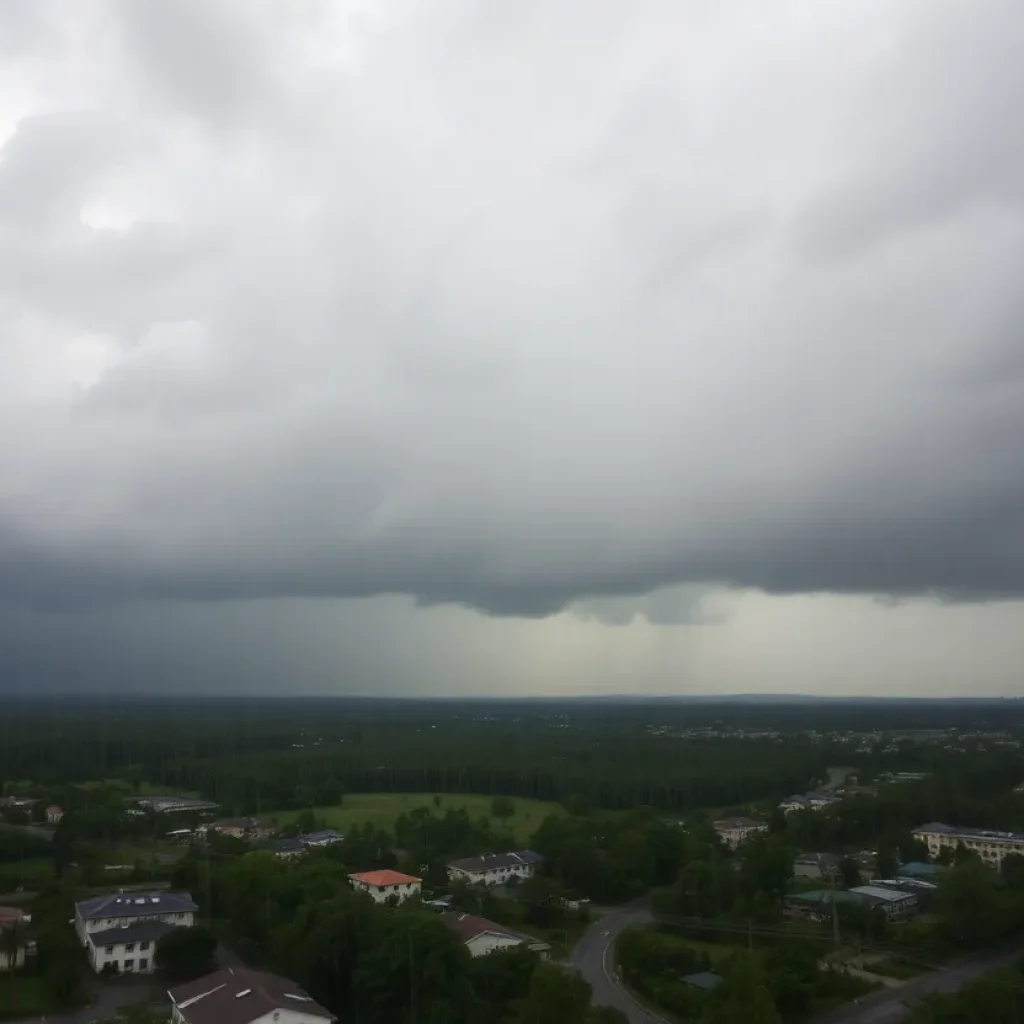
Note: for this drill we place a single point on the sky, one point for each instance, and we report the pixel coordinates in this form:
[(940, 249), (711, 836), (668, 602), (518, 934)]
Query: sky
[(443, 347)]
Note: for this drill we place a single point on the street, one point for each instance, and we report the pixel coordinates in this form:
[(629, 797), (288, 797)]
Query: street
[(594, 958), (893, 1004)]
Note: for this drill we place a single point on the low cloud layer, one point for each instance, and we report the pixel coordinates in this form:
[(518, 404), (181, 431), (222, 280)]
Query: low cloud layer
[(564, 303)]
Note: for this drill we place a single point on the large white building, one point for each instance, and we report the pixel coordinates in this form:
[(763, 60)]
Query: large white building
[(482, 936), (733, 831), (494, 868), (238, 995), (119, 931), (386, 885), (991, 846)]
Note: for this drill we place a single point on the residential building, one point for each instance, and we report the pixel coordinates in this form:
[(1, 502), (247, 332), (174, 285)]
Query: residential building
[(733, 831), (325, 837), (13, 919), (816, 865), (898, 905), (127, 948), (286, 847), (386, 885), (817, 801), (239, 995), (242, 828), (482, 936), (54, 814), (101, 920), (494, 868), (989, 845)]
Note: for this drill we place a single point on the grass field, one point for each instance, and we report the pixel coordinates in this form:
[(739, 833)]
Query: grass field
[(383, 808)]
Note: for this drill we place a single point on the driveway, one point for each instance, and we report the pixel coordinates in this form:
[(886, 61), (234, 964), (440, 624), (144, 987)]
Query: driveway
[(594, 958)]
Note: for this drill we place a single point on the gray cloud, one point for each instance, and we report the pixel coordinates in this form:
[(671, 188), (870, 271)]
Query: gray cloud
[(376, 310)]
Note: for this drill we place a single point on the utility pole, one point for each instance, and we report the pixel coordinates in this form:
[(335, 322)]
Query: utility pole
[(835, 912)]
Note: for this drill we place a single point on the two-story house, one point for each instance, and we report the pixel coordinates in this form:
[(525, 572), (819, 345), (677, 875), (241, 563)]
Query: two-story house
[(120, 930), (386, 885), (238, 995), (494, 868)]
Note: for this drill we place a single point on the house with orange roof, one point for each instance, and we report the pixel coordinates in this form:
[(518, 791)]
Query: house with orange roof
[(386, 885)]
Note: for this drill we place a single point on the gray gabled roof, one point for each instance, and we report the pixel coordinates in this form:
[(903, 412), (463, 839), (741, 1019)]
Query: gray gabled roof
[(494, 861), (134, 904), (141, 931)]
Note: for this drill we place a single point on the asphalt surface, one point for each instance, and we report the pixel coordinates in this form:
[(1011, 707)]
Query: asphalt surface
[(594, 958), (893, 1004)]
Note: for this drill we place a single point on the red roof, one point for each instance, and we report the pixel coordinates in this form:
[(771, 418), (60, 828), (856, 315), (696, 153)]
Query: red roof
[(386, 877)]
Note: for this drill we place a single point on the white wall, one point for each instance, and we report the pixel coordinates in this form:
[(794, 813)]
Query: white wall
[(120, 956), (493, 876), (383, 893), (481, 945)]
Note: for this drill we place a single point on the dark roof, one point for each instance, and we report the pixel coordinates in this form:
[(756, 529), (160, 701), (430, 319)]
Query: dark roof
[(134, 904), (141, 931), (706, 980), (918, 869), (493, 861), (287, 844), (468, 926), (239, 995), (327, 835), (827, 861)]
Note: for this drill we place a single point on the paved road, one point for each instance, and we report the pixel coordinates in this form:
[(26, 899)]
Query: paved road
[(894, 1004), (594, 958)]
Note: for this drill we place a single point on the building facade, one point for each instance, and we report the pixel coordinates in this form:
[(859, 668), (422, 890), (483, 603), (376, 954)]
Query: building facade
[(991, 846), (103, 925), (733, 831), (13, 922), (482, 936), (126, 949), (495, 868), (386, 885)]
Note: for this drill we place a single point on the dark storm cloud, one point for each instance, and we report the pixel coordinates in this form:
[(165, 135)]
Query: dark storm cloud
[(377, 313)]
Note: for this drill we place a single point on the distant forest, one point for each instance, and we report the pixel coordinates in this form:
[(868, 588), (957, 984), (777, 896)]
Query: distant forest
[(256, 756)]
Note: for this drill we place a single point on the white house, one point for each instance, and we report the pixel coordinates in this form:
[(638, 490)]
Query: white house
[(733, 831), (386, 885), (989, 845), (13, 919), (238, 995), (325, 837), (482, 936), (105, 926), (54, 814), (128, 948), (809, 802), (494, 868)]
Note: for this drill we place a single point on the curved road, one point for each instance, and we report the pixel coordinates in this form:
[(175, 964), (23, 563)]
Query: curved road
[(594, 958)]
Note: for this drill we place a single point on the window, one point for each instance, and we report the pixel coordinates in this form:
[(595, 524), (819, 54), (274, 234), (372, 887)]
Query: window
[(129, 947), (143, 964), (143, 946), (108, 950), (129, 965)]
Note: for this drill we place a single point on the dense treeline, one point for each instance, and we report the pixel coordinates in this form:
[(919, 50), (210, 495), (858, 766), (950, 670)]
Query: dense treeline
[(252, 757)]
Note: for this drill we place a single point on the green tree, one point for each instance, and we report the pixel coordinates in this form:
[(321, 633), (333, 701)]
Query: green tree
[(849, 872), (555, 996), (502, 808), (745, 996), (187, 953), (970, 910)]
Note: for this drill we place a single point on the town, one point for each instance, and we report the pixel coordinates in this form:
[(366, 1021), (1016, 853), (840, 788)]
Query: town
[(721, 875)]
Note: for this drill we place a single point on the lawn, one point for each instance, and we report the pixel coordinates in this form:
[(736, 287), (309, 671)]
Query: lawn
[(383, 808), (898, 969)]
